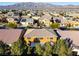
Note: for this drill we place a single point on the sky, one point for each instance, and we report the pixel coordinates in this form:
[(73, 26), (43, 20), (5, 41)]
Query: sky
[(56, 3), (7, 3), (66, 3)]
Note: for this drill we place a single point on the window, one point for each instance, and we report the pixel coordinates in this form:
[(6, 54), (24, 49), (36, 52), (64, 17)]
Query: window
[(23, 20), (51, 38), (36, 40), (28, 38), (40, 38)]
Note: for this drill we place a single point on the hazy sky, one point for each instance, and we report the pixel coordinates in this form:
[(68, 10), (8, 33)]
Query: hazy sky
[(7, 3), (66, 3), (56, 3)]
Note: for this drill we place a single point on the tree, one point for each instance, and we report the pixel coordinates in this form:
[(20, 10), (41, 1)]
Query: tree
[(20, 14), (4, 49), (38, 50), (17, 48), (55, 25), (4, 11), (61, 48), (47, 49)]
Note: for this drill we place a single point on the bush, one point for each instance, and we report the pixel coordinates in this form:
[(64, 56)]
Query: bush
[(12, 25), (55, 25)]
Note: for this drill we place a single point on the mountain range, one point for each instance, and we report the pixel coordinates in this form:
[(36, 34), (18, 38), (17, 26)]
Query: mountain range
[(32, 5)]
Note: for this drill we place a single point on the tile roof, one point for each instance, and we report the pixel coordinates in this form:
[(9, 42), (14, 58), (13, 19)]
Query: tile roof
[(40, 33), (46, 16), (9, 36), (72, 34), (60, 18)]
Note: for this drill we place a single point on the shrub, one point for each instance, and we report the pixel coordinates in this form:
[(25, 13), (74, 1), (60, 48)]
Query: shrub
[(55, 25), (12, 25)]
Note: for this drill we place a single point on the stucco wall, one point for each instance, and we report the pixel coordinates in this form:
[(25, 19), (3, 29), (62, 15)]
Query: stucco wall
[(43, 40)]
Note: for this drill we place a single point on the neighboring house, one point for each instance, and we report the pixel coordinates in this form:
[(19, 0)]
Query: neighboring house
[(10, 36), (55, 14), (29, 15), (0, 12), (65, 22), (2, 26), (11, 14), (26, 22), (57, 18), (36, 17), (73, 14), (4, 20), (76, 19), (26, 16), (46, 19), (10, 19), (40, 35), (16, 20), (75, 24), (61, 19), (72, 23), (73, 35)]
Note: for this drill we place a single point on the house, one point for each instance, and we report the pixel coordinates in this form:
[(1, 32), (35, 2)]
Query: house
[(73, 35), (10, 19), (55, 14), (36, 17), (65, 22), (46, 19), (40, 35), (11, 14), (0, 12), (26, 16), (71, 23), (75, 23), (10, 36), (29, 15), (26, 22), (73, 14), (58, 18), (3, 19)]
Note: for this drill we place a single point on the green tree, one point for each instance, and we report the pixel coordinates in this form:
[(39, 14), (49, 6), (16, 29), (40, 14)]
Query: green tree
[(55, 25), (4, 49), (38, 50), (17, 48), (4, 11), (47, 49), (61, 48)]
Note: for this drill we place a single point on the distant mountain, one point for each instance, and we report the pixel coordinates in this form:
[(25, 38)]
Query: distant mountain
[(32, 5), (27, 5)]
